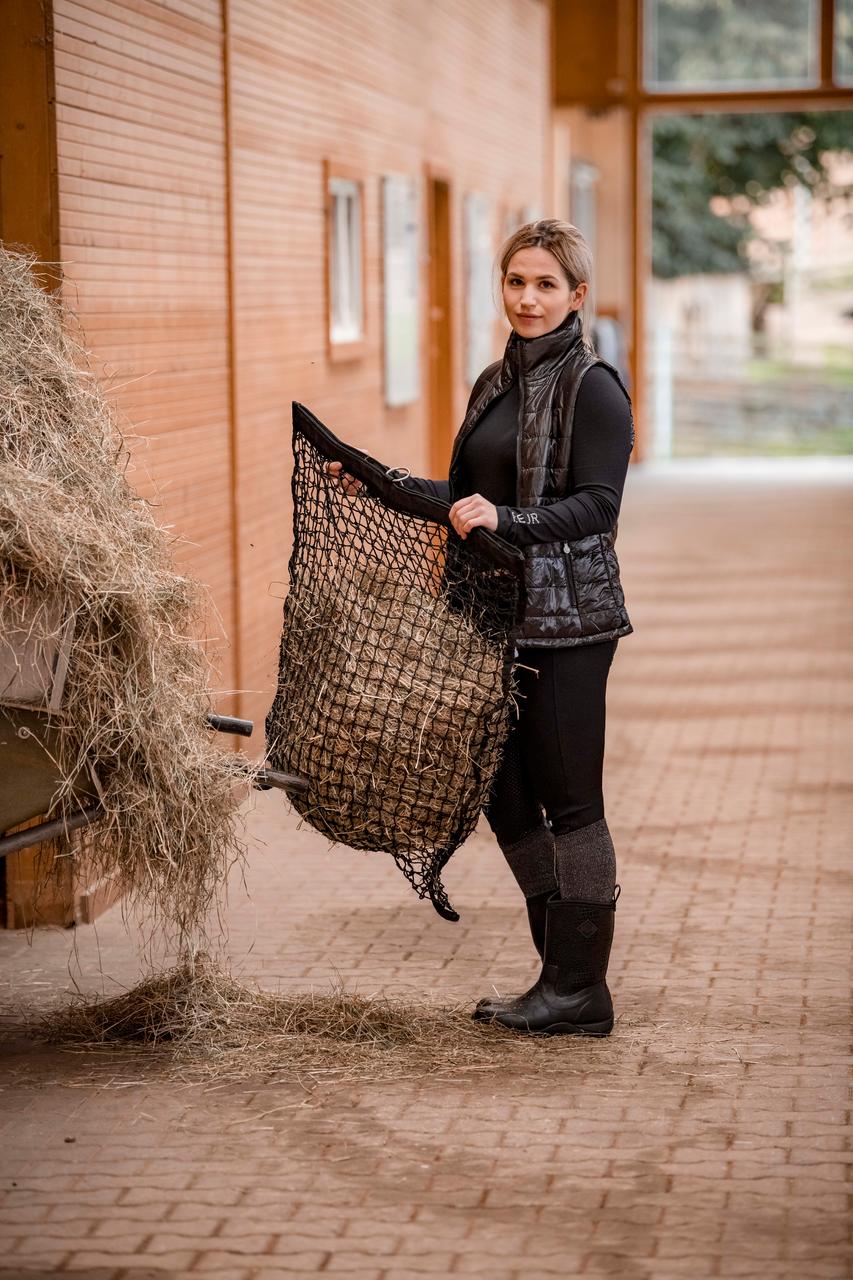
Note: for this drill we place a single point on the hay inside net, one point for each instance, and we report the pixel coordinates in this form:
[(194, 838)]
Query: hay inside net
[(394, 693), (78, 543)]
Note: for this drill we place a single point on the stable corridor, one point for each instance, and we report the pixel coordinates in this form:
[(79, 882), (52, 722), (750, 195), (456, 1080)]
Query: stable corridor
[(704, 1138)]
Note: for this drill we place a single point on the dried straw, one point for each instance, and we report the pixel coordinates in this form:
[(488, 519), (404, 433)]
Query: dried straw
[(76, 541), (207, 1022)]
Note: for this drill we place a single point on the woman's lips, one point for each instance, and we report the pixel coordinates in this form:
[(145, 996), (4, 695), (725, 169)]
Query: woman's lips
[(530, 317)]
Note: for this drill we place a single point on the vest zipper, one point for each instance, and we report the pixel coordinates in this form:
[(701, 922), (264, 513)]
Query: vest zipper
[(569, 562), (518, 431)]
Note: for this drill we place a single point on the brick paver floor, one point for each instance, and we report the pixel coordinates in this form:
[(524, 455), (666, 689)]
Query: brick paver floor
[(706, 1137)]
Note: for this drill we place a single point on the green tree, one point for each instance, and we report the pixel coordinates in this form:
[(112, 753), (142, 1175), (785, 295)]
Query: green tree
[(745, 157)]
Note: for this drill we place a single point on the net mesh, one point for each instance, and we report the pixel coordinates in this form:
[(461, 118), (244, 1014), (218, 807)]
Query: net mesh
[(394, 691)]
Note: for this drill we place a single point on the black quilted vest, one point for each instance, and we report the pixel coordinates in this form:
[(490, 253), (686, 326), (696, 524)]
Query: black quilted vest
[(572, 589)]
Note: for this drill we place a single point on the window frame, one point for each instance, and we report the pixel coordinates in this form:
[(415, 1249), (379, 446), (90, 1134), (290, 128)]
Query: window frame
[(342, 179)]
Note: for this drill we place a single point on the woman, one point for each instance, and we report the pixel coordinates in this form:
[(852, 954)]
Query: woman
[(541, 459)]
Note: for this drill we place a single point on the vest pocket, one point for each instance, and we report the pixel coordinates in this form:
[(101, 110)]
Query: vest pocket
[(568, 561), (608, 557)]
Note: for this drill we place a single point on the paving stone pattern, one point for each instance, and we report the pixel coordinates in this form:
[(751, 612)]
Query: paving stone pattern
[(706, 1137)]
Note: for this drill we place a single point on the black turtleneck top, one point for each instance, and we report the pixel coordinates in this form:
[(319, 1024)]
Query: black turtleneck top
[(598, 464)]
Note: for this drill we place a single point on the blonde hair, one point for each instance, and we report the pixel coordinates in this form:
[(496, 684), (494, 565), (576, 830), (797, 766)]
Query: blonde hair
[(566, 242)]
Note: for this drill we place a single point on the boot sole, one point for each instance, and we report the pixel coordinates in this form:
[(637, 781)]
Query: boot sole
[(572, 1029), (595, 1029)]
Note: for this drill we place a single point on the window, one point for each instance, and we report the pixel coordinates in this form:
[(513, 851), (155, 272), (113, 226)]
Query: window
[(844, 42), (731, 44), (402, 296), (583, 211), (346, 291), (480, 308), (583, 200)]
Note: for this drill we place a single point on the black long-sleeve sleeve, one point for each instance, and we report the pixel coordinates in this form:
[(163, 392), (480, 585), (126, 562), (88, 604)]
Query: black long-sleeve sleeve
[(433, 488), (602, 438)]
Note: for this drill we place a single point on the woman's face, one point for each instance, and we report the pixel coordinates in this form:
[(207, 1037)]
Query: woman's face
[(536, 294)]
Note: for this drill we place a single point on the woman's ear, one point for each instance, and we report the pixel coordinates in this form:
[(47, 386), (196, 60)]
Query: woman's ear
[(578, 296)]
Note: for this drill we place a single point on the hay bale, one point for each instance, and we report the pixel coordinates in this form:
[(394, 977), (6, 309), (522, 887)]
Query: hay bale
[(78, 543)]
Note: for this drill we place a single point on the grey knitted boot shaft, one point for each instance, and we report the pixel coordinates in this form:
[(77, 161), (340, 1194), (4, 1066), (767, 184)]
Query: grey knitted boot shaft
[(586, 864)]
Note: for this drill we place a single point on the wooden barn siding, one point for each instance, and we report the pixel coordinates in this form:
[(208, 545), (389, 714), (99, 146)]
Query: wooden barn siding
[(391, 86), (142, 92), (142, 213)]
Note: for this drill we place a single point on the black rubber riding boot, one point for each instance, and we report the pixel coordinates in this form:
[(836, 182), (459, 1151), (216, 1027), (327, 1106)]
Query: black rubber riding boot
[(571, 996), (536, 916)]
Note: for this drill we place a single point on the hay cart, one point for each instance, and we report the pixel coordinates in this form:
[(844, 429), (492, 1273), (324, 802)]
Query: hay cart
[(32, 678)]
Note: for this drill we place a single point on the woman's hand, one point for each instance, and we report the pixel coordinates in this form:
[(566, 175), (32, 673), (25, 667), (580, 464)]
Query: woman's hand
[(348, 483), (472, 513)]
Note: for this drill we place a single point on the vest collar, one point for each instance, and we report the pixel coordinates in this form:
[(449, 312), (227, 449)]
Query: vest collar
[(536, 357)]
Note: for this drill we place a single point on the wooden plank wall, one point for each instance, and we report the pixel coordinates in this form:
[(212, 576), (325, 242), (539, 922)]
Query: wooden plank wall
[(142, 214), (390, 86), (159, 104)]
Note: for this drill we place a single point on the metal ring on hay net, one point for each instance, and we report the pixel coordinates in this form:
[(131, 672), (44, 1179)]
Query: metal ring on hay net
[(395, 668)]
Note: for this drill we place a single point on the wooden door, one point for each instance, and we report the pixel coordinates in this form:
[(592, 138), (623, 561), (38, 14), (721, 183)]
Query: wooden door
[(442, 426)]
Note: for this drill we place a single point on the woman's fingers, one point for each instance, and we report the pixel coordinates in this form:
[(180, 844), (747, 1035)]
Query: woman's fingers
[(459, 520), (348, 483), (472, 513), (459, 515)]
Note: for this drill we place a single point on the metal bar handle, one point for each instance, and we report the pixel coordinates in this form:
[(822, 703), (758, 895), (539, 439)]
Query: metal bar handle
[(49, 830), (231, 724), (267, 778)]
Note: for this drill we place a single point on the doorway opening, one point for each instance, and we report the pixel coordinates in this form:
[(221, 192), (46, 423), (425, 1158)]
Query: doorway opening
[(439, 327), (749, 309)]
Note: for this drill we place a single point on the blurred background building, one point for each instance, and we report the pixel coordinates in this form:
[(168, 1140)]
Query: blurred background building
[(255, 202)]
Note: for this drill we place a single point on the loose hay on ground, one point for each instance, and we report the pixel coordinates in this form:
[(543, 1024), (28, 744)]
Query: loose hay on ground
[(207, 1022)]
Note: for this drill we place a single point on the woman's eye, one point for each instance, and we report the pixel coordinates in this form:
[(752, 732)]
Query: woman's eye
[(547, 284)]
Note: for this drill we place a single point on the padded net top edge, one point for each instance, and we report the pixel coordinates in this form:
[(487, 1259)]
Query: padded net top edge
[(492, 548)]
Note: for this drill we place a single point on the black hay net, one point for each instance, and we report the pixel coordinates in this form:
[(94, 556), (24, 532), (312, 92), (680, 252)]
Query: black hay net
[(395, 669)]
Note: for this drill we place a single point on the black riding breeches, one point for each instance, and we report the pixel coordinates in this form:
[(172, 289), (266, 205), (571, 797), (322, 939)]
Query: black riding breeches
[(554, 756)]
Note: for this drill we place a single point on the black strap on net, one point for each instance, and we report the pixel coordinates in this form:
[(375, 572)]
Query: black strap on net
[(395, 671)]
